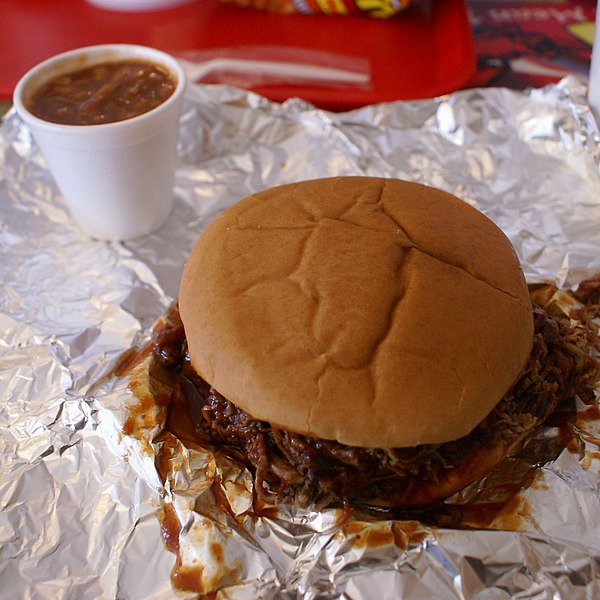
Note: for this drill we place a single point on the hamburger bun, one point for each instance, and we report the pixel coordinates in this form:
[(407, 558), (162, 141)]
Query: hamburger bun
[(374, 312)]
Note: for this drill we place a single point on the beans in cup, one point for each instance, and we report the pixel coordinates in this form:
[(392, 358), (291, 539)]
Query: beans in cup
[(103, 93)]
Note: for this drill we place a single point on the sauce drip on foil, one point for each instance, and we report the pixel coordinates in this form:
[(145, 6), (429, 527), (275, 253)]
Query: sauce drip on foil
[(499, 505)]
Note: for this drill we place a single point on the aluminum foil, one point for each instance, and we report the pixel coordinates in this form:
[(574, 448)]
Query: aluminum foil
[(82, 504)]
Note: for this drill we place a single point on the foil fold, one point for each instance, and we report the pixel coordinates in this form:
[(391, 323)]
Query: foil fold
[(90, 511)]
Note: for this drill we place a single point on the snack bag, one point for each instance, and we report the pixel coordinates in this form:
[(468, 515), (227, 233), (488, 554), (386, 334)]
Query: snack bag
[(380, 9)]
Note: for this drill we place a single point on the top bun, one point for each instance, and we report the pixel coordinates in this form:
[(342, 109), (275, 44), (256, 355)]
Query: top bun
[(374, 312)]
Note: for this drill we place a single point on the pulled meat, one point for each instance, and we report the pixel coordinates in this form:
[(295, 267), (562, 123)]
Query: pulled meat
[(292, 467)]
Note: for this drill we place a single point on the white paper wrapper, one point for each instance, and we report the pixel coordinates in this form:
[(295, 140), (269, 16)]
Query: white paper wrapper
[(79, 500)]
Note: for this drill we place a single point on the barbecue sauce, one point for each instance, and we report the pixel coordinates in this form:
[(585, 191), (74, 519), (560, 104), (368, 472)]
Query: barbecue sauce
[(103, 93)]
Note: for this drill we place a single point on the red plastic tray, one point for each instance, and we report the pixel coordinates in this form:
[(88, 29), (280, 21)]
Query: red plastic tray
[(423, 52)]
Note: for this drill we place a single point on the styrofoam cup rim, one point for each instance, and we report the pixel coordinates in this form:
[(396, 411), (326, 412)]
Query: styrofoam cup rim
[(67, 61)]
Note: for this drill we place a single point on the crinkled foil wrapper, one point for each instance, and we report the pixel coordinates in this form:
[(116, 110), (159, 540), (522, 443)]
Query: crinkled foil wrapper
[(81, 504)]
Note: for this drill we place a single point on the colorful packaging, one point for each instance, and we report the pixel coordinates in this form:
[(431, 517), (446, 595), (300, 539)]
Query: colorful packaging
[(380, 9)]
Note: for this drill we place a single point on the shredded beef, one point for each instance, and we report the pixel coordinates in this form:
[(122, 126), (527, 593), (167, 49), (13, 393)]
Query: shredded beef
[(289, 466), (588, 291)]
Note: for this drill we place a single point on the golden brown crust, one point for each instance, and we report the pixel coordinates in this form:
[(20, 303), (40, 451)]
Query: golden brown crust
[(376, 312)]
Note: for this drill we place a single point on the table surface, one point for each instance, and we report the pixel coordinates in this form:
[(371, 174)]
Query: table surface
[(424, 52), (434, 47)]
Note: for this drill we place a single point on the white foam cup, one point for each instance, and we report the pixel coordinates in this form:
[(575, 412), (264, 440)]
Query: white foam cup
[(117, 178)]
